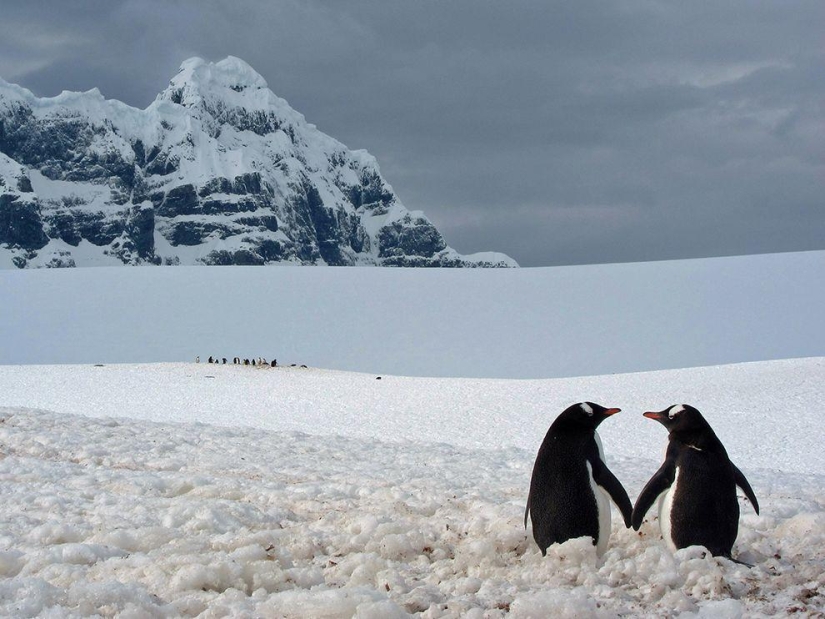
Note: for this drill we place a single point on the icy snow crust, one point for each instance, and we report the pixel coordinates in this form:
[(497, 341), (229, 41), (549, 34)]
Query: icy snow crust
[(193, 489)]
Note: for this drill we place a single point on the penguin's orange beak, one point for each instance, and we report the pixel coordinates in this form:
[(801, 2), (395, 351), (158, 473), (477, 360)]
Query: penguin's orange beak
[(611, 411), (656, 416)]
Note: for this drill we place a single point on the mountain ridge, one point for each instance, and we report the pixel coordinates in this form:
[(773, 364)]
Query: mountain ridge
[(216, 170)]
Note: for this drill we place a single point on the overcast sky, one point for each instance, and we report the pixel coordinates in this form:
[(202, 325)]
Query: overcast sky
[(556, 132)]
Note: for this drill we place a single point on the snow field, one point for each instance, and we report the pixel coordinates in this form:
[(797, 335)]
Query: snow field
[(133, 518), (500, 323), (764, 413)]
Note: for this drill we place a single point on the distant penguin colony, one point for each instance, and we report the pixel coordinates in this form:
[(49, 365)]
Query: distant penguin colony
[(696, 485), (254, 361), (571, 486)]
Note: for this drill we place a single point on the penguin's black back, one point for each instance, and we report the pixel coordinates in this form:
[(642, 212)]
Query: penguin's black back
[(705, 510), (561, 503)]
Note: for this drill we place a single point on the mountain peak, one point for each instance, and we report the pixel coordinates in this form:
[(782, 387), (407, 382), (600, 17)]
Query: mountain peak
[(231, 79), (219, 170), (231, 72)]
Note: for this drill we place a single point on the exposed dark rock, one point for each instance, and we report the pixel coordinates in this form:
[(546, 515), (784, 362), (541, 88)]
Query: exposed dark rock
[(24, 185), (266, 222), (216, 207), (98, 228), (215, 185), (181, 200), (241, 257), (270, 250), (414, 237), (61, 225), (246, 257), (247, 183), (141, 230), (20, 223), (161, 163), (140, 152), (372, 192), (218, 258), (188, 233)]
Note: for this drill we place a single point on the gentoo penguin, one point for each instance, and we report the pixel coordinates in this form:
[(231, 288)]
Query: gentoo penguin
[(696, 485), (571, 487)]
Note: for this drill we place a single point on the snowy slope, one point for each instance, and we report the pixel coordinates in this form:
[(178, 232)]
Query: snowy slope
[(516, 323), (181, 489), (217, 170)]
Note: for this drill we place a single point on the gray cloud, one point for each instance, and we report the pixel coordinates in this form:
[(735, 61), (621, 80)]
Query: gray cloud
[(556, 132)]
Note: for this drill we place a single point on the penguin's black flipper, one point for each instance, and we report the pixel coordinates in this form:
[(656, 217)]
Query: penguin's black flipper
[(607, 480), (746, 487), (661, 481)]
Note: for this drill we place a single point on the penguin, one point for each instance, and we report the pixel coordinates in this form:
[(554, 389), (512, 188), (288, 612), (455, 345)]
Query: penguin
[(210, 360), (695, 486), (571, 486), (274, 363)]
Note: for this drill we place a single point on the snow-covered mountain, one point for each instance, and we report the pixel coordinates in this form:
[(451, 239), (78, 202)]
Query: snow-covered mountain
[(217, 170)]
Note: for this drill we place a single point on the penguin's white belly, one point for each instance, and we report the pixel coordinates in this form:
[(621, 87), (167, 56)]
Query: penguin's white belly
[(665, 509), (602, 504)]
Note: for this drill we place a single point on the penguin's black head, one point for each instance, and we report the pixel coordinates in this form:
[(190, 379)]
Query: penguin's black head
[(586, 414), (680, 419)]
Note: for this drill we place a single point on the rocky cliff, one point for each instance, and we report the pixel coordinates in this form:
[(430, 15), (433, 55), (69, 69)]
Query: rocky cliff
[(217, 170)]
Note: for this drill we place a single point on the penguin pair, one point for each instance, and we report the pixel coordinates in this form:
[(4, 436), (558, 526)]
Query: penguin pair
[(571, 486)]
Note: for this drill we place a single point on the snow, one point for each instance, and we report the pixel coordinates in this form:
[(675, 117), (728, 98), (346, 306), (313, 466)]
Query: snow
[(503, 323), (9, 170), (184, 489), (361, 487)]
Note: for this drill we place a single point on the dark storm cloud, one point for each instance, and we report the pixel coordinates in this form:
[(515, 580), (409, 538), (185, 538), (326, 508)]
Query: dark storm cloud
[(556, 132)]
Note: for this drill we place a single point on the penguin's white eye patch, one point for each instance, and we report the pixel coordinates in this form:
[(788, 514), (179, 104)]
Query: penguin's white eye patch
[(675, 411), (587, 408)]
